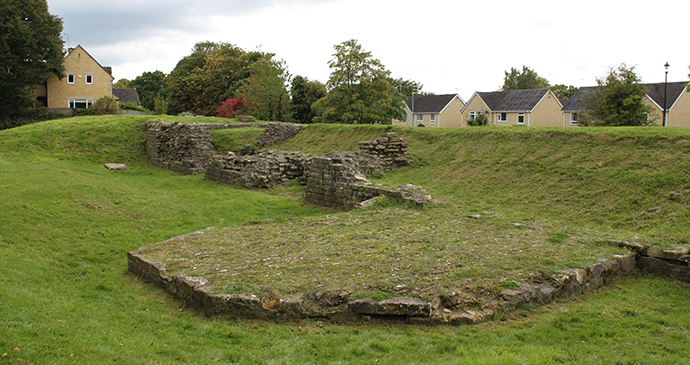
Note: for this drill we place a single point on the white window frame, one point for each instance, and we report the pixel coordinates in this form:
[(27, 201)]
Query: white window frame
[(420, 117), (432, 118), (473, 115), (89, 79), (573, 118), (71, 77), (499, 117), (521, 115), (72, 103)]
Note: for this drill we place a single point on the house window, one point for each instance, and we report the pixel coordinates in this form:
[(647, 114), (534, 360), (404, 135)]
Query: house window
[(80, 103), (521, 118), (432, 118), (502, 117), (89, 79), (573, 118), (70, 78), (420, 117), (473, 115)]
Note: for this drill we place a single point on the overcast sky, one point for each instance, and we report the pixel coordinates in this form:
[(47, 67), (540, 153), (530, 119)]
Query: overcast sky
[(448, 46)]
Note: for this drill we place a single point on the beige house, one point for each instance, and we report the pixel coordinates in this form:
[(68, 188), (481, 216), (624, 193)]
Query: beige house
[(85, 82), (677, 104), (528, 107), (432, 111)]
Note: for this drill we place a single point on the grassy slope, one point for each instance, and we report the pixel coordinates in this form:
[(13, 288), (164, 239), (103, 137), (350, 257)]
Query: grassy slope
[(65, 295)]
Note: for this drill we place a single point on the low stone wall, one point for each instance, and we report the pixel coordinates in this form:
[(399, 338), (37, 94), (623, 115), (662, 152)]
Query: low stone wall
[(186, 147), (454, 308), (263, 170), (390, 148), (339, 182)]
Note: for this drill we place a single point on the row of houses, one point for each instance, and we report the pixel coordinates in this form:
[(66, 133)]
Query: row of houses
[(84, 83), (536, 107), (87, 81)]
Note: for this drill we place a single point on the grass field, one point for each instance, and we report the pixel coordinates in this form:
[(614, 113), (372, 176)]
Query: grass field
[(67, 223)]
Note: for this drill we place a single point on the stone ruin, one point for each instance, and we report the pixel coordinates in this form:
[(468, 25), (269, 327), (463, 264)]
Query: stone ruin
[(454, 308), (186, 148), (337, 180)]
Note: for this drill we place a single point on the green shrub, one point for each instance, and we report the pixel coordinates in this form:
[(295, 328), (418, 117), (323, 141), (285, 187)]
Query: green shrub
[(160, 106), (133, 106), (479, 121), (29, 116), (103, 106)]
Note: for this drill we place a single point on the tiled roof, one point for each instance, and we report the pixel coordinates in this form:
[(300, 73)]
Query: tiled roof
[(127, 95), (493, 99), (521, 100), (577, 100), (429, 103), (656, 92)]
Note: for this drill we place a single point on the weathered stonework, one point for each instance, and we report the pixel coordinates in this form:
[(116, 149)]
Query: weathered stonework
[(186, 147), (263, 170), (391, 149), (454, 308), (340, 183)]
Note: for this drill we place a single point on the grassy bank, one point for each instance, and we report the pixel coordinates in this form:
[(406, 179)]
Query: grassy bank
[(67, 222)]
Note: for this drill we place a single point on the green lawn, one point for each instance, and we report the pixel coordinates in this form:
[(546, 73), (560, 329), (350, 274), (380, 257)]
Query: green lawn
[(67, 223)]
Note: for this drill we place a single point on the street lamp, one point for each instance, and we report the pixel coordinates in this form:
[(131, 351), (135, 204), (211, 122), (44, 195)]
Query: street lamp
[(665, 90)]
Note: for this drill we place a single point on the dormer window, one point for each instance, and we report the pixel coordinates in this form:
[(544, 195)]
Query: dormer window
[(70, 78), (89, 79)]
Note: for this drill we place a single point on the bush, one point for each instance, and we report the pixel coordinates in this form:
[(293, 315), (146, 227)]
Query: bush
[(133, 106), (29, 116), (478, 121), (160, 106), (102, 106)]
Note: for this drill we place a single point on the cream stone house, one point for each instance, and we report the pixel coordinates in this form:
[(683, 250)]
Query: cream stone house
[(677, 104), (85, 81), (528, 107), (432, 111)]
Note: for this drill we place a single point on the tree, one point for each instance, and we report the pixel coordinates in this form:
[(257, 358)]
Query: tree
[(562, 91), (618, 100), (527, 79), (31, 49), (121, 84), (148, 85), (264, 93), (359, 90), (212, 73), (228, 109), (304, 94), (407, 87)]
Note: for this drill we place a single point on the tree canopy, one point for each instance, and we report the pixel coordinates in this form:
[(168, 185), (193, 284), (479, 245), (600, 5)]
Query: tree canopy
[(563, 91), (208, 76), (359, 90), (264, 94), (617, 101), (407, 87), (304, 94), (148, 86), (31, 50), (525, 79)]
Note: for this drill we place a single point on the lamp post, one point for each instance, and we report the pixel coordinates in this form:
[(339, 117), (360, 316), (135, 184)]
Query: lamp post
[(665, 90)]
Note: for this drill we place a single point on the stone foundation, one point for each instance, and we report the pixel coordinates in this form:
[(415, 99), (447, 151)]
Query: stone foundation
[(454, 308)]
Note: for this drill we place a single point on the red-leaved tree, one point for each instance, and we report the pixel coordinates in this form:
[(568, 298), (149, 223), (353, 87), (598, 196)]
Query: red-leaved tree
[(228, 109)]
